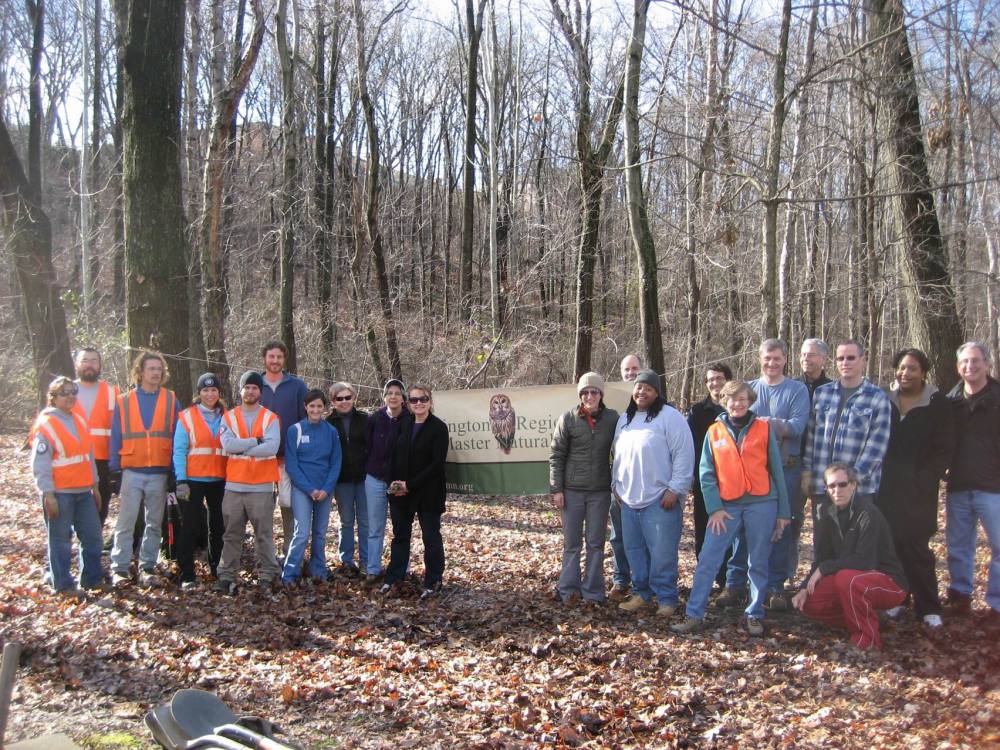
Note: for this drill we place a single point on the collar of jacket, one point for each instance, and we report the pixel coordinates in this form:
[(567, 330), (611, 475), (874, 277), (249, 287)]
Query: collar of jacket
[(925, 395)]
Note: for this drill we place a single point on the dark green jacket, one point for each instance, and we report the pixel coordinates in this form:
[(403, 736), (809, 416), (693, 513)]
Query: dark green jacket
[(581, 456)]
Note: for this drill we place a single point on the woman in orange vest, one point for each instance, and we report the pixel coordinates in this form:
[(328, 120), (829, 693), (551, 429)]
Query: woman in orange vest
[(62, 461), (742, 481), (200, 469)]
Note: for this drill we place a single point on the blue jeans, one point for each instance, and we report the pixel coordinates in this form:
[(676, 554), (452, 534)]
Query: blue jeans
[(651, 536), (77, 512), (781, 551), (309, 516), (965, 508), (150, 492), (377, 501), (352, 506), (754, 521), (623, 573)]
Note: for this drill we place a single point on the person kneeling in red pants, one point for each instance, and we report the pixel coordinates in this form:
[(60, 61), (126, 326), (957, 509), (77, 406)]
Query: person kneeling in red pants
[(856, 571)]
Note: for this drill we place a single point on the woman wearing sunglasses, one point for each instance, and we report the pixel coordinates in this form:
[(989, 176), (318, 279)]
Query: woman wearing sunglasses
[(418, 489), (352, 426), (856, 571), (579, 478), (62, 461)]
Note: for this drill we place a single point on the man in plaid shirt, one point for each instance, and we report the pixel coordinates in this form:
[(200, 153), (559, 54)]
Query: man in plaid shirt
[(850, 422)]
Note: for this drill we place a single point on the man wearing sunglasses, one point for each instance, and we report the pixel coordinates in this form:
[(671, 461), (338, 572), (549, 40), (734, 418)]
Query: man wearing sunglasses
[(850, 423)]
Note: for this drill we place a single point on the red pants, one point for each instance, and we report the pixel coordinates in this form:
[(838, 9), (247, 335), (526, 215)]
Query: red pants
[(850, 599)]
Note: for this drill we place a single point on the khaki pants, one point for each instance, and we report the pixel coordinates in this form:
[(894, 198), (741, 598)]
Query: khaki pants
[(258, 509)]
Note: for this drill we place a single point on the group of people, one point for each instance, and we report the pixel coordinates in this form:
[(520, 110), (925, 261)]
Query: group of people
[(752, 455), (224, 467)]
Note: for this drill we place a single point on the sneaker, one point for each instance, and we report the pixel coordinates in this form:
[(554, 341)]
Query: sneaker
[(430, 591), (225, 587), (933, 622), (189, 585), (118, 580), (894, 612), (149, 579), (269, 585), (730, 598), (371, 579), (957, 602), (777, 602), (634, 603), (688, 626), (619, 593), (754, 626), (385, 588), (666, 610), (347, 571)]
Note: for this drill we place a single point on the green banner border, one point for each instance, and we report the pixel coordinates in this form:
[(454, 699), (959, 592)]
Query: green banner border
[(500, 478)]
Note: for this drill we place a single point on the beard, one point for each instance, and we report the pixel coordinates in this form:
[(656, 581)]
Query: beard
[(88, 376)]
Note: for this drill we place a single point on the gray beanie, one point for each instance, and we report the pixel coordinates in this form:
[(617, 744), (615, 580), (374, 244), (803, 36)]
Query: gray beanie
[(251, 377), (651, 379), (590, 380)]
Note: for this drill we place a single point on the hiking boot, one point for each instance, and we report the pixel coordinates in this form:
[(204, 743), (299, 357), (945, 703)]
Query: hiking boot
[(754, 626), (573, 597), (777, 602), (666, 610), (101, 588), (619, 593), (74, 593), (730, 598), (224, 587), (688, 626), (430, 591), (634, 603)]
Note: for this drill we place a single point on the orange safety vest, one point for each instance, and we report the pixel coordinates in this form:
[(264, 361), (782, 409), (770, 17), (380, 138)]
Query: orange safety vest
[(142, 448), (71, 469), (205, 456), (741, 469), (242, 469), (100, 418)]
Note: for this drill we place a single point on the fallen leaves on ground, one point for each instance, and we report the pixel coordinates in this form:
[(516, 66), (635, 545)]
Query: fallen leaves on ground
[(493, 661)]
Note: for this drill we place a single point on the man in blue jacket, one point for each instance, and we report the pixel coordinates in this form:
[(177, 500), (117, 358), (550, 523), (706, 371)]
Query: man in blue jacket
[(284, 394)]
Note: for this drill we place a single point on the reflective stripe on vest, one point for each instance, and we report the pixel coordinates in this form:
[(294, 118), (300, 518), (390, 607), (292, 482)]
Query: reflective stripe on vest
[(205, 457), (242, 469), (742, 469), (142, 448), (99, 421), (71, 468)]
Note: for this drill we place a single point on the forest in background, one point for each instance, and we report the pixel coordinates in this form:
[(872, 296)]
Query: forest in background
[(495, 193)]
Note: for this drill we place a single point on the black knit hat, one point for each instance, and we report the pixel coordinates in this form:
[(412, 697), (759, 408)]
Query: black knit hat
[(251, 377), (207, 380)]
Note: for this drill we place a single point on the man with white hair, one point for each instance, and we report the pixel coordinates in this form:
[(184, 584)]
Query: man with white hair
[(974, 480)]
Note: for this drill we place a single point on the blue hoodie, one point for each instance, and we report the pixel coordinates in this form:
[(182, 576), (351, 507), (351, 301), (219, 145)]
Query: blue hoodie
[(312, 456)]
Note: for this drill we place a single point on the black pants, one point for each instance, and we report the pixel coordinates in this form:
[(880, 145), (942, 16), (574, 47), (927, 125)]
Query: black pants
[(399, 553), (192, 521), (104, 485), (920, 567), (700, 526)]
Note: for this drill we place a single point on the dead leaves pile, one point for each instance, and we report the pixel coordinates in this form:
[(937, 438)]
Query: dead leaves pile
[(492, 662)]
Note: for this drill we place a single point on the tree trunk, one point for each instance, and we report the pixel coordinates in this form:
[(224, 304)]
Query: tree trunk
[(36, 14), (642, 235), (227, 99), (474, 27), (155, 248), (769, 285), (287, 56), (29, 237), (930, 298)]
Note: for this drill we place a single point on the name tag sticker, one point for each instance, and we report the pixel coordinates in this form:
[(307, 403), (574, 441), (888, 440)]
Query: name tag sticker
[(718, 443), (305, 439)]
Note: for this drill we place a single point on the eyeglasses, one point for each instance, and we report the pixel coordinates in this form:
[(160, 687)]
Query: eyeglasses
[(70, 391), (590, 392), (847, 358), (836, 485), (343, 398), (420, 399)]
